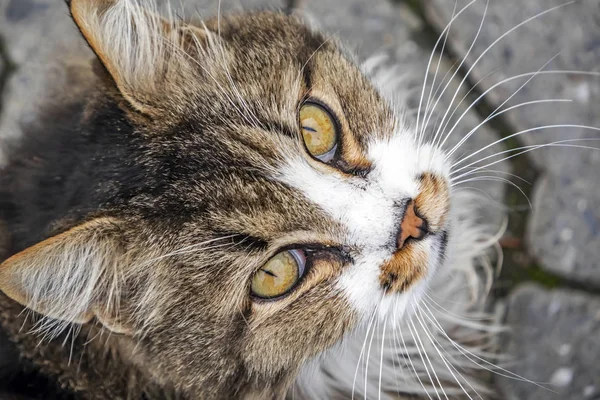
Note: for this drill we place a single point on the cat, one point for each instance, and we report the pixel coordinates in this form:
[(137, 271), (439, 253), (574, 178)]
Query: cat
[(222, 211)]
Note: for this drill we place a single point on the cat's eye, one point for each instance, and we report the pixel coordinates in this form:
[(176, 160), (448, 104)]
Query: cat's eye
[(279, 275), (319, 131)]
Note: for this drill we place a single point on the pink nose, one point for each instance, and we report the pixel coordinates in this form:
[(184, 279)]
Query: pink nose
[(412, 226)]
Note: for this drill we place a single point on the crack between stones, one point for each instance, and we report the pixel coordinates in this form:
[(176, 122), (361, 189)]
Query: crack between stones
[(291, 5), (9, 68)]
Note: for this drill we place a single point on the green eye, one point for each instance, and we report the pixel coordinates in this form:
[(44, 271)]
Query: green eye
[(319, 131), (279, 275)]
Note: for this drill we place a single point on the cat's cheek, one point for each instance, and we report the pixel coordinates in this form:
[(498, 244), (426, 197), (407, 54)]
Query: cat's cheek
[(284, 340)]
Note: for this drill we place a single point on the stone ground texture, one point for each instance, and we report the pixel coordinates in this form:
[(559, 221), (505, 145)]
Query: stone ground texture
[(557, 344), (555, 332)]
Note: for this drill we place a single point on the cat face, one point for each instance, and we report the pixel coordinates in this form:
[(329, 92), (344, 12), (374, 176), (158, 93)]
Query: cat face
[(274, 201)]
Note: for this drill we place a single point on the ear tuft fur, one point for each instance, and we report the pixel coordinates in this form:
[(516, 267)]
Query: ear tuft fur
[(70, 276), (140, 49)]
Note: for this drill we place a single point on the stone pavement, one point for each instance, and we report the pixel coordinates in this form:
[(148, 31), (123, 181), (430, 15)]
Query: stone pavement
[(556, 341), (555, 332)]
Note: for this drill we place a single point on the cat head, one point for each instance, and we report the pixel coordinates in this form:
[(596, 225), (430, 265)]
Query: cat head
[(269, 202)]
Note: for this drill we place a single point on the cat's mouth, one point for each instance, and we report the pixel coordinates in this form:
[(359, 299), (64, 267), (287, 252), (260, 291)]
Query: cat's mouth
[(412, 263), (421, 239)]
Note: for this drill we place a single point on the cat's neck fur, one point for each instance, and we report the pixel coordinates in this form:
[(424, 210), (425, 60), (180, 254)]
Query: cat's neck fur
[(71, 367), (95, 364)]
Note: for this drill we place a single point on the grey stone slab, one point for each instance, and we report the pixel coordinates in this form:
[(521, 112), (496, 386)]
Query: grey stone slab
[(209, 8), (563, 229), (555, 341), (36, 34), (365, 26), (30, 28), (373, 28)]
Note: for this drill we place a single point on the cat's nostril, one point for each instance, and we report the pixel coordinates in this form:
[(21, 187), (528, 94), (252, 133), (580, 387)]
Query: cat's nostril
[(411, 226)]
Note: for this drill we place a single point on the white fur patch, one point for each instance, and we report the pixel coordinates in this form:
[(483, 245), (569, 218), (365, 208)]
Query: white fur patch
[(369, 209)]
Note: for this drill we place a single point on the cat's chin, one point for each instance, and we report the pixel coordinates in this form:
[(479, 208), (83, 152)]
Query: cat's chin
[(394, 307)]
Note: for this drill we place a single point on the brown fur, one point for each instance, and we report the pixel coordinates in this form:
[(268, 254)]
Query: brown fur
[(433, 201), (404, 268)]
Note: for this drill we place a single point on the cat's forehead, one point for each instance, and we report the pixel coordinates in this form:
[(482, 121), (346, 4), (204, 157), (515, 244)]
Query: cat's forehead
[(283, 56), (237, 137)]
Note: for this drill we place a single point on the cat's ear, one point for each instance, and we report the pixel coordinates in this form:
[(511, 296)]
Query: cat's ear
[(141, 51), (70, 277)]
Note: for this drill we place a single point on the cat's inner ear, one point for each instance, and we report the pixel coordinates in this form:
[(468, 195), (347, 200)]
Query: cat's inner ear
[(71, 277), (145, 54)]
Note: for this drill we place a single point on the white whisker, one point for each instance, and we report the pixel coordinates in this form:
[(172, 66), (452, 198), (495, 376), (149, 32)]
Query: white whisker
[(381, 359), (471, 356), (449, 366), (527, 149), (496, 113), (412, 334), (494, 43), (457, 70), (414, 328), (431, 58), (445, 125)]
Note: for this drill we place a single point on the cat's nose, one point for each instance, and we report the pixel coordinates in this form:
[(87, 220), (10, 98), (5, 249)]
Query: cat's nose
[(411, 226)]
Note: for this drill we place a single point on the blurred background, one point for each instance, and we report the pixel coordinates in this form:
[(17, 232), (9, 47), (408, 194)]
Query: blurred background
[(548, 288)]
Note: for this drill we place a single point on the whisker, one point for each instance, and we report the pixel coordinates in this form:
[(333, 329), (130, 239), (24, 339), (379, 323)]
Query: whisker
[(368, 358), (396, 341), (495, 179), (458, 69), (528, 148), (557, 143), (362, 350), (495, 42), (496, 113), (500, 172), (414, 328), (426, 391), (437, 67), (468, 354), (412, 334), (471, 89), (431, 58), (524, 75), (381, 359), (449, 366), (492, 116)]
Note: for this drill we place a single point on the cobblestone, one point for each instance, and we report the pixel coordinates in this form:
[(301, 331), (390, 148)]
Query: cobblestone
[(554, 342)]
